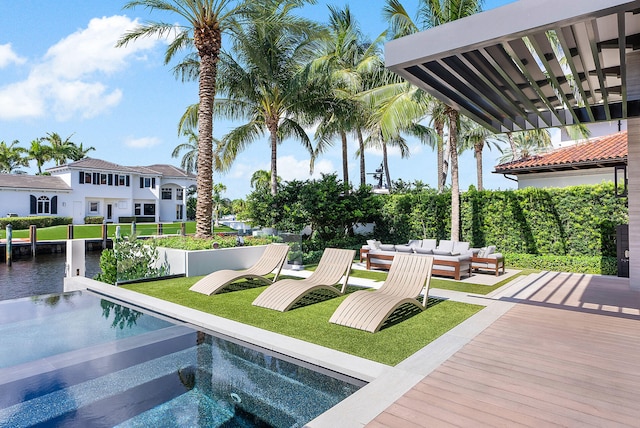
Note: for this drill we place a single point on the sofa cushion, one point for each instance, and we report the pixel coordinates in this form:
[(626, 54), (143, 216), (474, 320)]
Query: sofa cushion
[(387, 247), (439, 252), (491, 249), (460, 247), (428, 244), (404, 248), (421, 250), (445, 245)]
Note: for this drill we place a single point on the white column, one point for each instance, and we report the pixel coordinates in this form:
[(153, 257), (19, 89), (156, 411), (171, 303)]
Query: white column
[(633, 170)]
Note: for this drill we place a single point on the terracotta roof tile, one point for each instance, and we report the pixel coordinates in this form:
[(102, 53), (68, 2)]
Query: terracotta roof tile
[(610, 149)]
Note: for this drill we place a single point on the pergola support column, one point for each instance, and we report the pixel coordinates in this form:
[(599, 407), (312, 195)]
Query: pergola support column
[(633, 170)]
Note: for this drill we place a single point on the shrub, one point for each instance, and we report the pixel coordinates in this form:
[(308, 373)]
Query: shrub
[(224, 241), (130, 259), (21, 223), (94, 219), (601, 265)]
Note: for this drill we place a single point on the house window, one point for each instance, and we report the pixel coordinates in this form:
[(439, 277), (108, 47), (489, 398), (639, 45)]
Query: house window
[(44, 205), (121, 180), (179, 211), (179, 194), (103, 178), (94, 207), (149, 209), (137, 209), (87, 177), (166, 193)]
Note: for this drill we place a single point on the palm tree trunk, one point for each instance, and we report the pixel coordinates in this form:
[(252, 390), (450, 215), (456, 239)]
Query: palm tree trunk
[(386, 165), (273, 131), (512, 144), (363, 176), (478, 156), (455, 187), (440, 151), (446, 156), (208, 44), (345, 159)]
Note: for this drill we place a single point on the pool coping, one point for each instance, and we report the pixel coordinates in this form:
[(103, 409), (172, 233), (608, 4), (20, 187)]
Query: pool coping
[(385, 383)]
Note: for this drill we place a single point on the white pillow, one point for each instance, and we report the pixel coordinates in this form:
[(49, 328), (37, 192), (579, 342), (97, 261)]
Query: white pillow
[(490, 250), (482, 253), (373, 244), (404, 248), (387, 247)]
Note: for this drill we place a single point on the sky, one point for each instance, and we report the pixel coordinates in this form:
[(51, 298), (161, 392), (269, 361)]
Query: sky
[(61, 72)]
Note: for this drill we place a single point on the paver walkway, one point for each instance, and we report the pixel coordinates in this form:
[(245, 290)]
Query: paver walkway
[(567, 354)]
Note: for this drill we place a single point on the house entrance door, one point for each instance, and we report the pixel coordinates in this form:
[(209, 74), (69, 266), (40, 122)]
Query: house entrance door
[(109, 211)]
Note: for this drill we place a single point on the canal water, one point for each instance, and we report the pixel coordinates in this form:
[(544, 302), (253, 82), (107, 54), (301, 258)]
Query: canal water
[(43, 274)]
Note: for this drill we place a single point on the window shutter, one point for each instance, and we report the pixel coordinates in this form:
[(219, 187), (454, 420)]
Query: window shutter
[(33, 207), (141, 182), (116, 180), (127, 181), (81, 175), (110, 179), (153, 183), (54, 205)]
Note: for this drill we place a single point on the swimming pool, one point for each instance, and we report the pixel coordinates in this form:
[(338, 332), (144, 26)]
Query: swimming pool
[(78, 359)]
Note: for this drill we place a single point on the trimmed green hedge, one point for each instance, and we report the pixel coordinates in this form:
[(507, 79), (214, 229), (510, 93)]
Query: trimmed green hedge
[(571, 221), (19, 223), (582, 264)]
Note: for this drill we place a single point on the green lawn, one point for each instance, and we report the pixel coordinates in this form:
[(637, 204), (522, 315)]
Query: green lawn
[(94, 231), (310, 323)]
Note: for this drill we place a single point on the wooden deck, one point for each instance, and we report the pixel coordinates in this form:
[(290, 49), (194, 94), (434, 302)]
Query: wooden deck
[(567, 354)]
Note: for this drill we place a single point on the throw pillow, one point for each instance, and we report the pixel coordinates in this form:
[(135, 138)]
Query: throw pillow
[(490, 250), (482, 253), (387, 247), (373, 244), (404, 248)]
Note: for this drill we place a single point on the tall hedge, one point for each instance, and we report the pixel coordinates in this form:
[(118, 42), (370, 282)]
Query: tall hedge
[(574, 221)]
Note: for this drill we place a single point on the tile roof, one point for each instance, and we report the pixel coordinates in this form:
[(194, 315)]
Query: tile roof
[(164, 170), (35, 182), (598, 152)]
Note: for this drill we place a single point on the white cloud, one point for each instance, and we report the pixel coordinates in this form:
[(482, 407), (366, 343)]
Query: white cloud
[(70, 79), (290, 168), (8, 56), (141, 143)]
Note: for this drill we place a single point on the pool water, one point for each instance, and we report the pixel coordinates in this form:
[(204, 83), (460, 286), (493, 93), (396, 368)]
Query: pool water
[(77, 359)]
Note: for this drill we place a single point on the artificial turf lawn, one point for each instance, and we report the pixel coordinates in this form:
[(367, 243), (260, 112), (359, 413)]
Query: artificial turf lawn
[(311, 323)]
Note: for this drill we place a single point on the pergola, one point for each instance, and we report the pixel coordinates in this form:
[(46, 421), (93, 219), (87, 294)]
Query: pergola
[(538, 64)]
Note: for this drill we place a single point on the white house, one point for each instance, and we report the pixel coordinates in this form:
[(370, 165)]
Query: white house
[(590, 162), (93, 187)]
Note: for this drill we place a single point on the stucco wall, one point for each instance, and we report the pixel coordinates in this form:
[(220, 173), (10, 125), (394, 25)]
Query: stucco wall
[(565, 178)]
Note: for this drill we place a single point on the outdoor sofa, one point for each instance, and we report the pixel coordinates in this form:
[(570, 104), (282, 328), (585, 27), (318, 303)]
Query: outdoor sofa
[(452, 259)]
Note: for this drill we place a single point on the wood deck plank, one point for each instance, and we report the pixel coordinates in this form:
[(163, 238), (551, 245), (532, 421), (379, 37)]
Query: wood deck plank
[(567, 354)]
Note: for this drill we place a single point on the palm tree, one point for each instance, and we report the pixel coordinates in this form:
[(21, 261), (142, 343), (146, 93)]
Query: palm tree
[(206, 21), (264, 83), (61, 150), (79, 152), (40, 153), (261, 179), (433, 13), (218, 200), (189, 160), (344, 61), (526, 143), (477, 137), (12, 157)]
